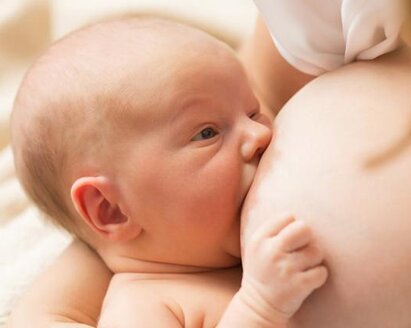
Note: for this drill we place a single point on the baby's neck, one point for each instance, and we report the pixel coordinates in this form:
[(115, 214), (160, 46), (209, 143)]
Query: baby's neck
[(118, 263)]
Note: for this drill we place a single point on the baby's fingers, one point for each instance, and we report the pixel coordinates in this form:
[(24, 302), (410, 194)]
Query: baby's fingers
[(294, 236), (271, 228), (313, 278), (306, 258)]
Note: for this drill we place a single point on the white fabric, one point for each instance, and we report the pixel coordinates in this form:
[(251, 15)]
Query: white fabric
[(316, 36)]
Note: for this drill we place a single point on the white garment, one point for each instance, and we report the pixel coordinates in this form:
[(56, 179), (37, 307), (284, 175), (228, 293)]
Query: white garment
[(316, 36)]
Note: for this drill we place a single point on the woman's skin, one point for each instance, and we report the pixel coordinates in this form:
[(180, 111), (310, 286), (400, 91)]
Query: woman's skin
[(273, 79), (341, 161)]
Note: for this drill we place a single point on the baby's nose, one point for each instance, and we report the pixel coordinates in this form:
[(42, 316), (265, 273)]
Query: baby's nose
[(257, 137)]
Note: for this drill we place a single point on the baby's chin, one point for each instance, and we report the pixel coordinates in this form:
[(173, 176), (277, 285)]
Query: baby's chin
[(230, 257), (232, 245)]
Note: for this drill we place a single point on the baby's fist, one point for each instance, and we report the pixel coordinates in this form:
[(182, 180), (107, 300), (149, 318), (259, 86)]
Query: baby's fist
[(282, 266)]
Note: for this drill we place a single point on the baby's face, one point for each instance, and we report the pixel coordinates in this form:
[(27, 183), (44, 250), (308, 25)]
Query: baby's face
[(187, 171)]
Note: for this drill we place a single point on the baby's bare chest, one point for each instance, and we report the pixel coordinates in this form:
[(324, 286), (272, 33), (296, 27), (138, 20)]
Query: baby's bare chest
[(196, 300), (203, 300)]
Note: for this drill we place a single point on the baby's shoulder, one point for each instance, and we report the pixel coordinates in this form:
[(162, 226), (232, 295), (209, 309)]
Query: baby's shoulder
[(192, 300)]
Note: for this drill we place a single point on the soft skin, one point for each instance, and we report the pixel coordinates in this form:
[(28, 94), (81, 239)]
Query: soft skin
[(156, 174), (341, 161)]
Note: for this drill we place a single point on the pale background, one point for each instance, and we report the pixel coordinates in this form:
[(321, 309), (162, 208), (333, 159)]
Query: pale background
[(27, 27)]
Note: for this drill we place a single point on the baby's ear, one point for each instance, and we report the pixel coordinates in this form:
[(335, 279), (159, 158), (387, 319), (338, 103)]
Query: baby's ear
[(97, 202)]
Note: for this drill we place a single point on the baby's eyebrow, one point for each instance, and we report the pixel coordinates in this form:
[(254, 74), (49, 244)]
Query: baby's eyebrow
[(188, 105), (390, 153)]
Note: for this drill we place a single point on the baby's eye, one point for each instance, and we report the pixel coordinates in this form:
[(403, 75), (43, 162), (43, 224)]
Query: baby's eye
[(205, 134)]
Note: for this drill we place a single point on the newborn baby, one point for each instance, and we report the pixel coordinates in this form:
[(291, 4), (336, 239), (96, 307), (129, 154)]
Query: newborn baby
[(147, 157), (341, 161)]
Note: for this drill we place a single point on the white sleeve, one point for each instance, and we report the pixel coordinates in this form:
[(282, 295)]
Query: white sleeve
[(316, 36)]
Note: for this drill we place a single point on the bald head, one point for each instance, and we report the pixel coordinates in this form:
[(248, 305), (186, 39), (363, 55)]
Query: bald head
[(75, 101)]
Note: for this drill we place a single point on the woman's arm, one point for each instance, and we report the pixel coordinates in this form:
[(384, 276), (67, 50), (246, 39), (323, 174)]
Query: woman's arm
[(68, 294), (273, 78)]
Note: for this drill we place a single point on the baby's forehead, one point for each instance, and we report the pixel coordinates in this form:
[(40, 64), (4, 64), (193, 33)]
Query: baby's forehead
[(138, 39), (119, 70), (139, 49)]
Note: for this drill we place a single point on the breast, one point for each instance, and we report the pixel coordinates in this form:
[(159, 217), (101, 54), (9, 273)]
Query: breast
[(341, 161)]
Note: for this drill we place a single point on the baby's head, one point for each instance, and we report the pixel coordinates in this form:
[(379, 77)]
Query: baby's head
[(142, 135)]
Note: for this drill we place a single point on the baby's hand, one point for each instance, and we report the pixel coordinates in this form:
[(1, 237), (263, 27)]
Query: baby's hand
[(282, 266)]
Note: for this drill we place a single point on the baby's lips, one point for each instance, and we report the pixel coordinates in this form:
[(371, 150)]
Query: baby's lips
[(248, 174)]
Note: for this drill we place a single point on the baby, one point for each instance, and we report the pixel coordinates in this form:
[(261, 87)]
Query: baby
[(144, 142)]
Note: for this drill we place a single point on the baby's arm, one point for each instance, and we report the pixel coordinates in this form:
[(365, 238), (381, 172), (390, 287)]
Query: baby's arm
[(274, 80), (137, 305), (68, 294), (282, 267)]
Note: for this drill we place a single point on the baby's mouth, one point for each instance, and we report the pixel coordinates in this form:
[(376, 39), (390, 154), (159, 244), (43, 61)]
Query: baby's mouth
[(240, 208), (248, 176), (244, 197)]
